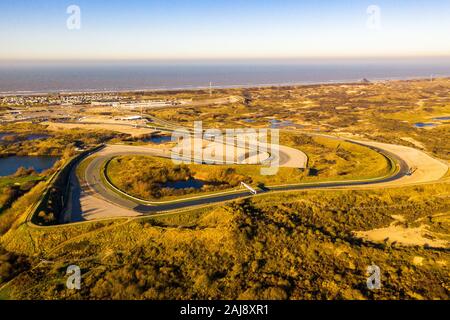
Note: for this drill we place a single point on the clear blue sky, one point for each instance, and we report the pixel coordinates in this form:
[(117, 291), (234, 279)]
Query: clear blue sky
[(222, 29)]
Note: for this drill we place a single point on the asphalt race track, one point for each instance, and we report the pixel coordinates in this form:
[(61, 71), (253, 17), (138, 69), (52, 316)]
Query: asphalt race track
[(96, 187)]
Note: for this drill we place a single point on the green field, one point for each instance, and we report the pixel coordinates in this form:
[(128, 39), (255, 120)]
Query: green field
[(12, 188)]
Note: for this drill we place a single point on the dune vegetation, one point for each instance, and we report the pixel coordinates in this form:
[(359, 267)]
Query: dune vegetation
[(314, 244), (298, 245), (380, 111)]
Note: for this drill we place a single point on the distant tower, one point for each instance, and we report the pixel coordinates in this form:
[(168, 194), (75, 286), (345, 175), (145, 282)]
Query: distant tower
[(210, 89), (431, 78)]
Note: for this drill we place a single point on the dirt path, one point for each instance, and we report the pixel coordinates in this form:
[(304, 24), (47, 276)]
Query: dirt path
[(419, 236), (116, 127)]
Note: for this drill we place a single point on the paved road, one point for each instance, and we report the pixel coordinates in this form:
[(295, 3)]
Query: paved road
[(97, 189)]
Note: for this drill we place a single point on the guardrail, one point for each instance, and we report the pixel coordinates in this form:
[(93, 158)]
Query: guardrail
[(396, 166), (105, 178), (395, 170), (58, 188)]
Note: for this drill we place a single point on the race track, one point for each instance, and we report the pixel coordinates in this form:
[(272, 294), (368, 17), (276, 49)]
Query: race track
[(94, 199)]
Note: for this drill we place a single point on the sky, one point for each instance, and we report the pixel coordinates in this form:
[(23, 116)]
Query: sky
[(223, 29)]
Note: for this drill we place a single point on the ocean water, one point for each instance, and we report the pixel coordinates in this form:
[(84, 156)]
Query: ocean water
[(76, 77)]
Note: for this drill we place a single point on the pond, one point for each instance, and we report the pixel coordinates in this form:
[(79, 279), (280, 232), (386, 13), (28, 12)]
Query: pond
[(424, 125), (9, 165), (191, 183), (157, 139)]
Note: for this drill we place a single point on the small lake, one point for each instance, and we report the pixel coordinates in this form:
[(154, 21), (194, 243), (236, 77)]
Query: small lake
[(424, 125), (9, 165), (191, 183), (158, 139), (441, 118)]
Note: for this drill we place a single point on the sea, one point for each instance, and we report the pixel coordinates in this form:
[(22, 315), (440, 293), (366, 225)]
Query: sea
[(44, 77)]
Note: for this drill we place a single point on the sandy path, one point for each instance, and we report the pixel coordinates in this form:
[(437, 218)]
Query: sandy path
[(121, 128), (84, 205), (419, 236), (425, 168), (292, 158), (288, 157)]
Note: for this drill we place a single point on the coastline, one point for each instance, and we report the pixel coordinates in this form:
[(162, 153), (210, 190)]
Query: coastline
[(218, 87)]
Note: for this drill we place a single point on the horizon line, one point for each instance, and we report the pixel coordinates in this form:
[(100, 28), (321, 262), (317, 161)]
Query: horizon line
[(223, 59)]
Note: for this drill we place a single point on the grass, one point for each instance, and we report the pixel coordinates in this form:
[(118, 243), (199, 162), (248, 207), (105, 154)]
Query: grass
[(340, 160), (17, 213), (106, 180), (21, 186), (10, 180), (420, 115), (81, 168), (4, 294), (293, 235)]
